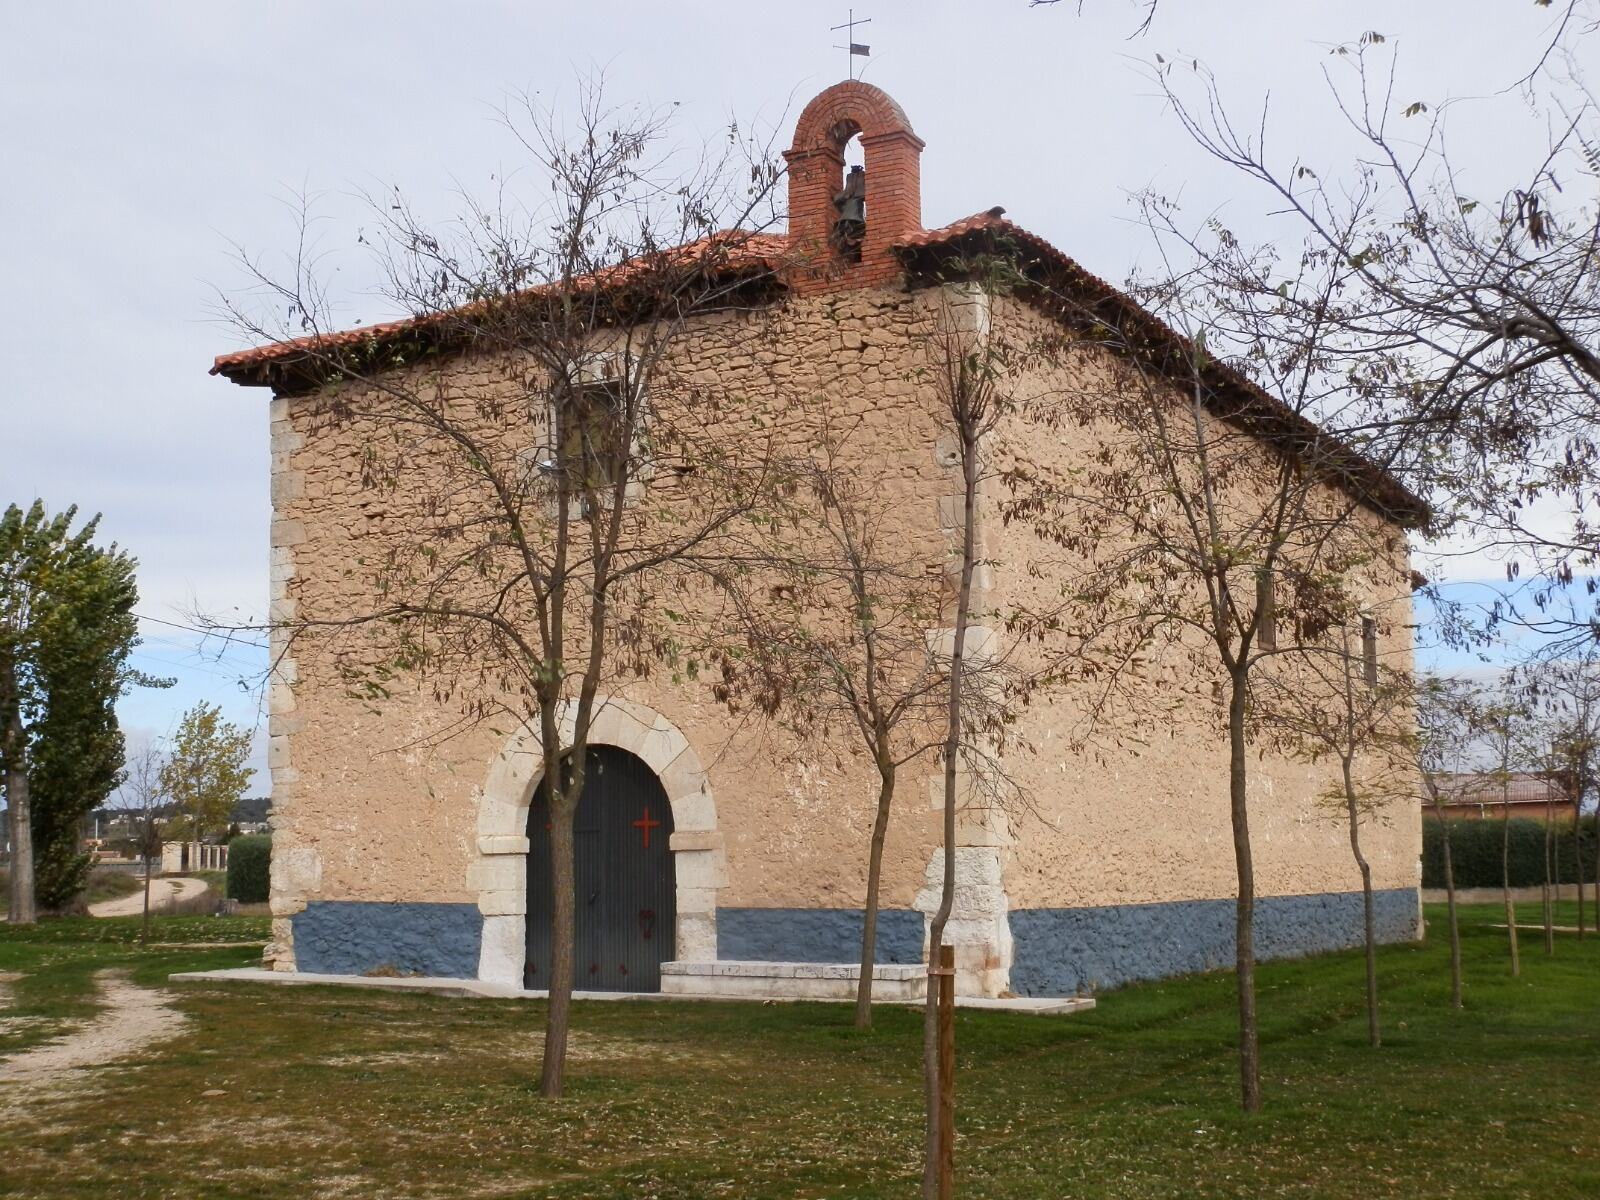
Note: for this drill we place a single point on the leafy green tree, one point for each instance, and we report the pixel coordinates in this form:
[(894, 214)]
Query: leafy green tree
[(205, 773), (78, 755), (66, 631)]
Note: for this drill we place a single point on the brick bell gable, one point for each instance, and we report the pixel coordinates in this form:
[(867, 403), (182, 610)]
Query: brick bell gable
[(893, 154)]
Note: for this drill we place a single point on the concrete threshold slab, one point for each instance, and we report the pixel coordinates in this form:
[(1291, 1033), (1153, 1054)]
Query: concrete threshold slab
[(1043, 1006)]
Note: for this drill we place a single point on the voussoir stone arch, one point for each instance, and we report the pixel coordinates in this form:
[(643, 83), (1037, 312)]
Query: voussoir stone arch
[(499, 873)]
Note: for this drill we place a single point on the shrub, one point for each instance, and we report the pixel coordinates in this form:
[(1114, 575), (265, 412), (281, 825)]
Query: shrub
[(1475, 852), (249, 868), (60, 872)]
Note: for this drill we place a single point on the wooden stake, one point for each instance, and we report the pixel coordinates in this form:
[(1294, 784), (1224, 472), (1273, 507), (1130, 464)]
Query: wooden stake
[(947, 1071)]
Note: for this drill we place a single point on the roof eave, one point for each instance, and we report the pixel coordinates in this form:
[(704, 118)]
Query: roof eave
[(927, 260)]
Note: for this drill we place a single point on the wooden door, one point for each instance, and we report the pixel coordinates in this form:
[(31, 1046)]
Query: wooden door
[(626, 893)]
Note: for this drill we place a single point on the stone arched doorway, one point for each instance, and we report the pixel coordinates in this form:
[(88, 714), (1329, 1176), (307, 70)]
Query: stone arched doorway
[(626, 898), (499, 872)]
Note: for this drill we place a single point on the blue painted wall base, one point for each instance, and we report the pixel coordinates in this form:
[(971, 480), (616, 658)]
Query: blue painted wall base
[(1056, 951), (1069, 951), (831, 935), (354, 937)]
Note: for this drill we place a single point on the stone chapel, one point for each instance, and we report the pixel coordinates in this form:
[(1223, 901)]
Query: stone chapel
[(710, 865)]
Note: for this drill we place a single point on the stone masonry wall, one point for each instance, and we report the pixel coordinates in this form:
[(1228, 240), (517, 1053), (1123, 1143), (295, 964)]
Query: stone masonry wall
[(372, 805), (367, 806), (1142, 818)]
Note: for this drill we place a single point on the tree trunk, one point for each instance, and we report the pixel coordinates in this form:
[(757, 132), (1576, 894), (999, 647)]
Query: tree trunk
[(1505, 884), (1577, 862), (1450, 905), (1369, 923), (144, 928), (869, 925), (563, 934), (933, 1142), (19, 813), (933, 1147), (1245, 907), (1549, 853)]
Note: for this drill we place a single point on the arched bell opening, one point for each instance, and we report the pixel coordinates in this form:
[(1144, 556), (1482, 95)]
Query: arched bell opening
[(849, 230)]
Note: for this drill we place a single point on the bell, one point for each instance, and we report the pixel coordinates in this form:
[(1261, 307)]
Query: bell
[(851, 201), (851, 205)]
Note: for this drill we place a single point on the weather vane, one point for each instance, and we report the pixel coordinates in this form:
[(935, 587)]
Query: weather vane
[(856, 49)]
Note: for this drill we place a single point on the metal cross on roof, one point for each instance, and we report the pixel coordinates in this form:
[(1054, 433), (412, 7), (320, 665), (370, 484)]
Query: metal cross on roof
[(856, 49)]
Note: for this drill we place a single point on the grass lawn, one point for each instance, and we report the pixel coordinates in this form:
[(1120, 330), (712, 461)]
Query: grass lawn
[(334, 1092)]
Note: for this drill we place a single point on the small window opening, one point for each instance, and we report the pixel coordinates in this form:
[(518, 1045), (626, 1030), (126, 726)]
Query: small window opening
[(1266, 611), (592, 450), (1369, 650), (850, 205)]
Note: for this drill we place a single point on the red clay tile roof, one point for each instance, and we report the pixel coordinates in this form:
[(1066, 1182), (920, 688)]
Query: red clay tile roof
[(1472, 790), (728, 254), (922, 254), (1236, 397), (990, 219)]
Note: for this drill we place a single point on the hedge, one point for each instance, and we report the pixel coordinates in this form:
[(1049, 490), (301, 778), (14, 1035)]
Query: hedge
[(1475, 852), (249, 868)]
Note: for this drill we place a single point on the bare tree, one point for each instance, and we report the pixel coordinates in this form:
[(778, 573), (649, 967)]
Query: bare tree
[(542, 501), (1548, 897), (1471, 310), (968, 369), (1447, 729), (838, 640), (143, 801), (1147, 13), (1503, 722), (1546, 760), (1332, 704), (1233, 507), (1565, 693)]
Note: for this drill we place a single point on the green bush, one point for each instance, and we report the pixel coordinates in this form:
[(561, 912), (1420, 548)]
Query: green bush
[(249, 868), (1475, 852), (60, 873)]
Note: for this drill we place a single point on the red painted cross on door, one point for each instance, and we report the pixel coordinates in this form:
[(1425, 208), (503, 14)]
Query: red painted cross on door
[(644, 824)]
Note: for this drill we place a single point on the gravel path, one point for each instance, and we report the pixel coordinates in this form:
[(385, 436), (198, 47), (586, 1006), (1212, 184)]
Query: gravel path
[(161, 892), (133, 1018)]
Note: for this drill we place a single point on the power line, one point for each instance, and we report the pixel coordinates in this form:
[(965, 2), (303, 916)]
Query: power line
[(233, 654), (228, 637)]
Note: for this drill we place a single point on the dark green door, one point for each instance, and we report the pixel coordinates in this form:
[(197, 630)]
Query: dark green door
[(626, 897)]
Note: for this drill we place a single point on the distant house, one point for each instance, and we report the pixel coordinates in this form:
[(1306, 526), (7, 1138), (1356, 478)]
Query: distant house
[(1480, 796), (253, 814)]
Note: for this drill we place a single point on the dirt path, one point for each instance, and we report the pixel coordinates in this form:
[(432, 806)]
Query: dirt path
[(132, 1019), (162, 891)]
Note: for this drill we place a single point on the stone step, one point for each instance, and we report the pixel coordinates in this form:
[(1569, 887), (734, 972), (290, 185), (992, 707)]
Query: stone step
[(791, 980), (1034, 1005)]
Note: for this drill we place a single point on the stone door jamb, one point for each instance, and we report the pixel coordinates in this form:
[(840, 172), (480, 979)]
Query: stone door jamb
[(499, 872)]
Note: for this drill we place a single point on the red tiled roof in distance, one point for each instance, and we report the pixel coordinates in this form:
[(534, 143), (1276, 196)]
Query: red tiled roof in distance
[(1484, 790)]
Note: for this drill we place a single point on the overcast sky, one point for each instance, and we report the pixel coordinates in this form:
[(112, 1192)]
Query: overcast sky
[(140, 141)]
